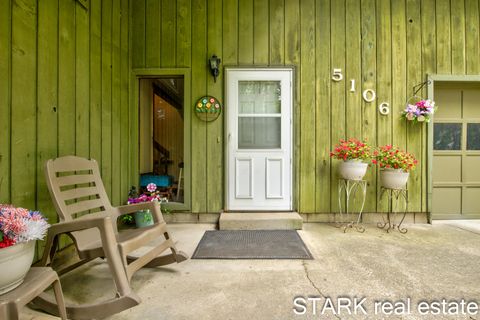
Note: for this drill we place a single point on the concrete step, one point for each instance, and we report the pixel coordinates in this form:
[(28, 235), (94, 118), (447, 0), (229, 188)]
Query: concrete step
[(260, 221)]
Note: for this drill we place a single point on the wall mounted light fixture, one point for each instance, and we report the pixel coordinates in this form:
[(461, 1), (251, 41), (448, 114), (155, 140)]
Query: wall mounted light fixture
[(214, 62)]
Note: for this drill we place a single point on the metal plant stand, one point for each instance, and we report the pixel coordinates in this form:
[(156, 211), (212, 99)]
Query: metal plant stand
[(350, 188), (390, 218)]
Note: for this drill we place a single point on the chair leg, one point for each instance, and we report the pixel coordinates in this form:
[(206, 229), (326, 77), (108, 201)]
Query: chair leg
[(114, 260), (57, 289), (9, 311), (48, 251), (178, 256), (182, 256)]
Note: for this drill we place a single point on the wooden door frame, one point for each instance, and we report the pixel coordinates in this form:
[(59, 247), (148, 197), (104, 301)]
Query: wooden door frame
[(293, 136), (136, 75), (435, 78)]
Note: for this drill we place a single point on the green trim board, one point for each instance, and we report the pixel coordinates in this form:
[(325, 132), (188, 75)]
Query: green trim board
[(136, 75)]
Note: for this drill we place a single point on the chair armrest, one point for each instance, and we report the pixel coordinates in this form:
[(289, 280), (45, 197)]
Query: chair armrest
[(102, 221), (78, 225), (131, 208), (153, 206)]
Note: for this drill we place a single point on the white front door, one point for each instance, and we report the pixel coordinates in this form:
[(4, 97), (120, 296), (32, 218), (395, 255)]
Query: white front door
[(259, 138)]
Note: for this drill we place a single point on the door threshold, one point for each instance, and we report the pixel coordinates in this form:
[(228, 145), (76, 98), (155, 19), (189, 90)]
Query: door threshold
[(257, 211), (260, 221)]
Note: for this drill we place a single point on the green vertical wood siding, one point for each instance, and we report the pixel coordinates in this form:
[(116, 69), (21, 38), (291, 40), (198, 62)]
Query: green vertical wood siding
[(5, 98), (214, 151), (306, 106), (322, 110), (64, 89), (387, 46), (65, 72), (199, 87), (384, 83), (415, 75), (369, 80), (337, 101)]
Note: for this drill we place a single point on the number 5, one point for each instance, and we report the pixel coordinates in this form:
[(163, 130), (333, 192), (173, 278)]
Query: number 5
[(337, 75)]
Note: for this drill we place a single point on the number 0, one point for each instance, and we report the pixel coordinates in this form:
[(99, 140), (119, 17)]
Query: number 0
[(368, 92)]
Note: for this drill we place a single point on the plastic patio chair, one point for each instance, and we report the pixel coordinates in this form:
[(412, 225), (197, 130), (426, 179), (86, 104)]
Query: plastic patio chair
[(86, 215)]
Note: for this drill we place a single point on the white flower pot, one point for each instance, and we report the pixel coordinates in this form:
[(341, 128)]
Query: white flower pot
[(393, 178), (15, 261), (353, 169)]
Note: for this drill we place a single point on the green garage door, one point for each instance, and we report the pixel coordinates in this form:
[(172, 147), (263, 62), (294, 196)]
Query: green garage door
[(456, 153)]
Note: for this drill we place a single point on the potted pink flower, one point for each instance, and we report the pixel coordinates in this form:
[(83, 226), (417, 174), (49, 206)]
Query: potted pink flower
[(355, 155), (19, 230)]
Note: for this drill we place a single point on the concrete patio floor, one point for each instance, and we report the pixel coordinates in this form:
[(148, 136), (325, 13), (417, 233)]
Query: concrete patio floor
[(430, 262)]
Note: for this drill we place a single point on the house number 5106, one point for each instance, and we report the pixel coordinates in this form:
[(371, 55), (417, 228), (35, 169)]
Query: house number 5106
[(368, 95)]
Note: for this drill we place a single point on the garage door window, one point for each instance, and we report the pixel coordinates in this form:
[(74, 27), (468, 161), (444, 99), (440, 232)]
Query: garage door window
[(473, 136), (447, 136)]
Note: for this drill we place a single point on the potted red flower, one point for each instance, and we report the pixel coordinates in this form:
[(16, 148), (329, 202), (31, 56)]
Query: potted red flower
[(395, 166), (355, 155)]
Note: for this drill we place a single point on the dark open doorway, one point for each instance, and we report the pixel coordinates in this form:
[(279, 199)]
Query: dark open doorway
[(162, 127)]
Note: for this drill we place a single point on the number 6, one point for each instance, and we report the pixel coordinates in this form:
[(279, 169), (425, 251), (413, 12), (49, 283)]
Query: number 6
[(337, 75), (384, 108)]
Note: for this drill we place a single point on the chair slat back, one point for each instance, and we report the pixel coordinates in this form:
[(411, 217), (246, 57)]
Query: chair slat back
[(76, 187)]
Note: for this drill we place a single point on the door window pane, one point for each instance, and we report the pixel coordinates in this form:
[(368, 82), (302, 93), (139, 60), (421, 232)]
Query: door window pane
[(257, 97), (259, 133), (447, 136), (473, 136)]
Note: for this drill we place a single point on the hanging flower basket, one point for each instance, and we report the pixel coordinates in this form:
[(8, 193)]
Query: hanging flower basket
[(418, 109)]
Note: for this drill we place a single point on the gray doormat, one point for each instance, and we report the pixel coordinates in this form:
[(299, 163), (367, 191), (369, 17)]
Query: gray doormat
[(251, 244)]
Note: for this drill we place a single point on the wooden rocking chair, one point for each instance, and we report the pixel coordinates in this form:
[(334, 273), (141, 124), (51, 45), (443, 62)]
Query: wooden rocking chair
[(77, 190)]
